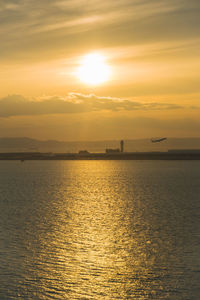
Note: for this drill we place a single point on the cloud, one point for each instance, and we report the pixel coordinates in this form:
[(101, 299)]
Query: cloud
[(55, 25), (16, 105)]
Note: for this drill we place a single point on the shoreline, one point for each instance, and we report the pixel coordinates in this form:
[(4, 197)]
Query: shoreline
[(101, 156)]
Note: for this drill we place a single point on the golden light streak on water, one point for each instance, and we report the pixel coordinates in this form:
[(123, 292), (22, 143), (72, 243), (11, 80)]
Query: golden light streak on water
[(98, 230)]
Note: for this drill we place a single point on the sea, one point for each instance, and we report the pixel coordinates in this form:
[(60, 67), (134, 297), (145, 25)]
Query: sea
[(100, 230)]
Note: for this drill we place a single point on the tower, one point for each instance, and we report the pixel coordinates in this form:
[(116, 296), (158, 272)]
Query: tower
[(122, 146)]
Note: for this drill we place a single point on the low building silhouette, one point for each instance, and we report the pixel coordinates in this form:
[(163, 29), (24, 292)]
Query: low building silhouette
[(110, 151), (83, 152)]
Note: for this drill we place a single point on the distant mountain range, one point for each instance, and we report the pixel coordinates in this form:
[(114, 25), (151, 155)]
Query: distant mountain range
[(24, 144)]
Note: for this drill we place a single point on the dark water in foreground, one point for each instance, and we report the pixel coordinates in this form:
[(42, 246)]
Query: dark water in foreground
[(100, 230)]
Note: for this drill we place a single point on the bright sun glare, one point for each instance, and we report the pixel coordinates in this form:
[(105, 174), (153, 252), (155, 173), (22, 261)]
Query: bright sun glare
[(93, 69)]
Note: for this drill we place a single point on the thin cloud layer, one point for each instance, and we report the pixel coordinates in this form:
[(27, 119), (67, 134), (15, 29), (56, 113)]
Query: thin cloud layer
[(54, 25), (16, 105)]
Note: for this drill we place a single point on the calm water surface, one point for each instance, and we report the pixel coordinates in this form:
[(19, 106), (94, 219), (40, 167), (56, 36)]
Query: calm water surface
[(100, 230)]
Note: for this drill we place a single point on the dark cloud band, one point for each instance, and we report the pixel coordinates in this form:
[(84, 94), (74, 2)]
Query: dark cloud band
[(16, 105)]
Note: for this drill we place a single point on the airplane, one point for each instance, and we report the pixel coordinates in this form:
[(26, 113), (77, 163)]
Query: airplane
[(158, 140)]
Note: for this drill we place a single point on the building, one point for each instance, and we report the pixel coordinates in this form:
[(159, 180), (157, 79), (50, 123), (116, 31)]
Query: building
[(122, 146), (111, 151), (83, 152)]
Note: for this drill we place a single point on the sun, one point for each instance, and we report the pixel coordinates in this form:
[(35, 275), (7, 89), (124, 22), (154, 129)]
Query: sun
[(93, 69)]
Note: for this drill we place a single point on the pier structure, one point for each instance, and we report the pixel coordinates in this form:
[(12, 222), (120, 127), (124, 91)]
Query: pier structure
[(122, 146)]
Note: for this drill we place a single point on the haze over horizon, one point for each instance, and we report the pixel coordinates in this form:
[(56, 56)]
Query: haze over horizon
[(24, 144), (99, 70)]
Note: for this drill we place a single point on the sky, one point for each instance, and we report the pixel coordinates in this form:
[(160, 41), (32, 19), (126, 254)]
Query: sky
[(152, 51)]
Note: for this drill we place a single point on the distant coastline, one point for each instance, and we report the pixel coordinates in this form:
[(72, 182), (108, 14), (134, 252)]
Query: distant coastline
[(20, 144), (170, 155)]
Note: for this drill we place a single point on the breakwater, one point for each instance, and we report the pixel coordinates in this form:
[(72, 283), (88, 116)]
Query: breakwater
[(101, 156)]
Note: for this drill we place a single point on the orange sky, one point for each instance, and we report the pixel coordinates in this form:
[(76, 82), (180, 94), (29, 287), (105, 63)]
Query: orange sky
[(151, 47)]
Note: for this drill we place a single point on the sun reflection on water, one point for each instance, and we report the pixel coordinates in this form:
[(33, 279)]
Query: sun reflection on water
[(102, 255), (97, 230)]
